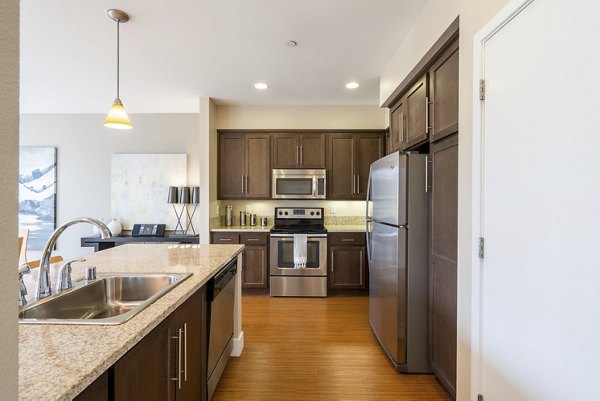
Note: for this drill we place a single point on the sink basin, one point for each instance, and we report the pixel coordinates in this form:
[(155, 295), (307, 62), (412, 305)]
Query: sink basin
[(111, 299)]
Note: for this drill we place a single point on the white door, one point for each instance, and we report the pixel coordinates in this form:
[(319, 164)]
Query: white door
[(537, 290)]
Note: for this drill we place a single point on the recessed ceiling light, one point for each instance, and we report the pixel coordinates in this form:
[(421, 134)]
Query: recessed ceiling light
[(261, 85), (352, 85)]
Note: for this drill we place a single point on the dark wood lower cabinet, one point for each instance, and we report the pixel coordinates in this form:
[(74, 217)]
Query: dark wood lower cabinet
[(255, 259), (97, 391), (442, 261), (347, 261), (150, 370)]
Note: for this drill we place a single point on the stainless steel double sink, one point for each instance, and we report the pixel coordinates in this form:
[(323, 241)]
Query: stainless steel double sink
[(110, 300)]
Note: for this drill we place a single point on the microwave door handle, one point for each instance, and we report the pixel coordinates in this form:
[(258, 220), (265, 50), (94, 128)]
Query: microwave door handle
[(315, 186)]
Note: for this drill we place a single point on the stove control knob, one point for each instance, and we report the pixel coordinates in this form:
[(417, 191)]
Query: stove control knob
[(286, 213), (280, 212), (318, 213), (312, 213)]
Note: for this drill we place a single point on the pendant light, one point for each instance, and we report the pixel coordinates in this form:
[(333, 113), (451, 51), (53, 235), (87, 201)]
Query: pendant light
[(117, 117)]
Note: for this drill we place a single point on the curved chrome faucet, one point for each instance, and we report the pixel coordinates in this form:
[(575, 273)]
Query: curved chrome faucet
[(43, 288)]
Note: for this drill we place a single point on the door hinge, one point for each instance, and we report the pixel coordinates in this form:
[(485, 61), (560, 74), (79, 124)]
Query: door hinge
[(479, 397), (481, 249), (482, 89)]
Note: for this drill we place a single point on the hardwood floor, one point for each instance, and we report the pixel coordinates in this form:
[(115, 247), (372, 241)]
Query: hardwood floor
[(315, 349)]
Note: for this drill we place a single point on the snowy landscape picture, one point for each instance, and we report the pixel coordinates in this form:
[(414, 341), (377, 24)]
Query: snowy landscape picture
[(37, 194)]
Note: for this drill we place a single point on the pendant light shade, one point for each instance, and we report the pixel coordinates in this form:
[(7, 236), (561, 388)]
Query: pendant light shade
[(117, 116)]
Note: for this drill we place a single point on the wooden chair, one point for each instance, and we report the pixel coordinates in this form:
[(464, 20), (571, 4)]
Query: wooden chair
[(53, 259), (23, 237)]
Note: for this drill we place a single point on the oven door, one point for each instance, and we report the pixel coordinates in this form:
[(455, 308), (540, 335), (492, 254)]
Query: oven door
[(282, 256)]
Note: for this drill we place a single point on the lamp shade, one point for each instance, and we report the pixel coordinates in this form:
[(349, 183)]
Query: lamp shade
[(117, 117), (173, 195), (184, 195), (195, 195)]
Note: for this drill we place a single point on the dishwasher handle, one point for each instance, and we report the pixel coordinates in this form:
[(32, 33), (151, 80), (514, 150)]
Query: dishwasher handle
[(221, 279)]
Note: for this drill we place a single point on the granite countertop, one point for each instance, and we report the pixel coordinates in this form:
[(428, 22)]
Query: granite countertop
[(57, 362), (249, 229), (333, 228)]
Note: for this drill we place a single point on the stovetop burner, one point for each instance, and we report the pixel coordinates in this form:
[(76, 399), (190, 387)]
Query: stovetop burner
[(299, 220)]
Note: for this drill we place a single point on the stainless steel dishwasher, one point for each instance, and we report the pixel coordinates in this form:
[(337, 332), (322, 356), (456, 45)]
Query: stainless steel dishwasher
[(221, 290)]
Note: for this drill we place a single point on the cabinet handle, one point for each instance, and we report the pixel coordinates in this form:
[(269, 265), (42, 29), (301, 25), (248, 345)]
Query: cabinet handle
[(242, 183), (297, 154), (246, 182), (253, 239), (427, 103), (224, 239), (178, 377), (353, 183), (358, 183), (185, 351), (401, 127), (347, 239), (301, 154)]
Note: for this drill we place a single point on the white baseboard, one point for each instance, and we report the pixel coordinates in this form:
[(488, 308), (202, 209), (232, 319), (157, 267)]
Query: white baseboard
[(238, 345)]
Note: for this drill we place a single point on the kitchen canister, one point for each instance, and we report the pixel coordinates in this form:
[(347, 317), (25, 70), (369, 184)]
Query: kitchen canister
[(263, 221), (242, 218), (252, 219), (229, 215)]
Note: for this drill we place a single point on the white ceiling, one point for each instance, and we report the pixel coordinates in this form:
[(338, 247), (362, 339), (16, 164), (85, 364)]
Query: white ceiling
[(173, 52)]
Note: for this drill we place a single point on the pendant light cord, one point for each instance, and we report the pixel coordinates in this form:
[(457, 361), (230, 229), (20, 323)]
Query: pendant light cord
[(118, 52)]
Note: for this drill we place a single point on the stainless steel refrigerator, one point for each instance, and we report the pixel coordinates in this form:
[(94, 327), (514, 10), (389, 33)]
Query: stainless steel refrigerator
[(397, 248)]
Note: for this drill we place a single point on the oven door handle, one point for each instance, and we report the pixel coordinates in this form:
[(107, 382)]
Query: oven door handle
[(291, 236)]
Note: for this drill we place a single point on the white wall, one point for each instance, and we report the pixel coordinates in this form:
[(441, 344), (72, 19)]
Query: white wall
[(84, 148), (9, 115), (434, 19), (301, 117)]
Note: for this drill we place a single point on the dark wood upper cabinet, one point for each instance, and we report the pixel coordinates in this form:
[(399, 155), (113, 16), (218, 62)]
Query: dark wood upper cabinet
[(348, 160), (244, 166), (443, 261), (443, 77), (417, 114), (291, 150), (397, 127)]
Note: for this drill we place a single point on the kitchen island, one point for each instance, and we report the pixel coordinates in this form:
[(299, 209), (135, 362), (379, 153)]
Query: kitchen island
[(57, 362)]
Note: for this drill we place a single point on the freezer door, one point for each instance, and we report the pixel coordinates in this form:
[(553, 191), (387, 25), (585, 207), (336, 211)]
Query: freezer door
[(387, 286), (388, 189)]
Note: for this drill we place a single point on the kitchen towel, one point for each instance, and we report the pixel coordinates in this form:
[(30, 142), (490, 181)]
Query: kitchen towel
[(300, 245)]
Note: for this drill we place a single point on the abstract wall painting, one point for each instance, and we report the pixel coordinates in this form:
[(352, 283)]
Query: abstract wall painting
[(37, 195), (139, 187)]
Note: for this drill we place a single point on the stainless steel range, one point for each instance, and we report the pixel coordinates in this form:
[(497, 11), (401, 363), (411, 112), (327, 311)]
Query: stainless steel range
[(310, 280)]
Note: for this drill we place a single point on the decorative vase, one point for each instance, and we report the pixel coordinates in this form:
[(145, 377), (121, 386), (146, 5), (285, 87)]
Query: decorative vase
[(115, 227)]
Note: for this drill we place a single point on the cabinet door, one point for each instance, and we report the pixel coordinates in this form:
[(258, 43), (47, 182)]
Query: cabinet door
[(417, 115), (144, 373), (255, 273), (368, 149), (286, 150), (258, 167), (341, 179), (442, 261), (97, 391), (347, 267), (443, 79), (231, 165), (191, 318), (312, 151), (397, 127)]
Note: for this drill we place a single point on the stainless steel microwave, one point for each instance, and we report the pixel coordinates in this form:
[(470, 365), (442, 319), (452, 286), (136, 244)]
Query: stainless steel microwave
[(299, 184)]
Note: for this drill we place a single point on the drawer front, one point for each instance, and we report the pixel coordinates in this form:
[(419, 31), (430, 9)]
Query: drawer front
[(254, 239), (355, 238), (225, 238)]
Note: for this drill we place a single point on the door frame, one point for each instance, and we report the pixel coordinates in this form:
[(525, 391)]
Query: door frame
[(499, 21)]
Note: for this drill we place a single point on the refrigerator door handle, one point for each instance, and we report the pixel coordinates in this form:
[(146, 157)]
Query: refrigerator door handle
[(369, 219)]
